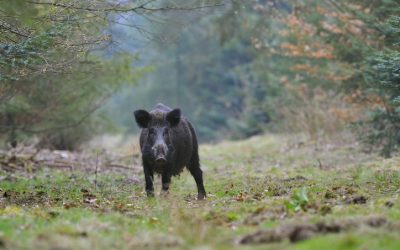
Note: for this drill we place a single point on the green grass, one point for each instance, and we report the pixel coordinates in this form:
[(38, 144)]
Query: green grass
[(257, 184)]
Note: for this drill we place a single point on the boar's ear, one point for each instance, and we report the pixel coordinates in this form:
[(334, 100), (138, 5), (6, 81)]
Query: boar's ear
[(142, 118), (174, 117)]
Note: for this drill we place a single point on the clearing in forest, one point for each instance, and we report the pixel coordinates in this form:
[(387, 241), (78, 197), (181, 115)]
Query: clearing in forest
[(266, 192)]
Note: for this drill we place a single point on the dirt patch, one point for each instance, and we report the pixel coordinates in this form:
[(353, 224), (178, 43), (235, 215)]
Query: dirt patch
[(356, 199), (30, 159), (344, 195), (299, 232), (282, 187), (262, 214), (389, 204), (339, 192)]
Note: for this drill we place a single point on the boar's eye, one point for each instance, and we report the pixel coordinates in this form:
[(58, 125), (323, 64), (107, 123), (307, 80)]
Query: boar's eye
[(152, 131), (165, 131)]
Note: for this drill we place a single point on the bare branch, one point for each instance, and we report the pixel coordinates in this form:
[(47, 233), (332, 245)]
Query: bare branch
[(117, 8), (8, 27)]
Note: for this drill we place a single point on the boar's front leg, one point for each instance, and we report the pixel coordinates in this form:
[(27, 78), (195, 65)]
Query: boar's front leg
[(148, 176), (166, 180)]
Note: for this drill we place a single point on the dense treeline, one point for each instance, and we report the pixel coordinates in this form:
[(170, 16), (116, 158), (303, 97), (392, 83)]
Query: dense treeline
[(58, 65), (237, 68), (48, 87), (312, 66)]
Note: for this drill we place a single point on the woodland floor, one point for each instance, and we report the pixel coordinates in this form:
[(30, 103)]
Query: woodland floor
[(267, 192)]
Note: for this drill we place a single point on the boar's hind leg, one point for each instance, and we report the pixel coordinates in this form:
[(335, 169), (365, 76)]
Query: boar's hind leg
[(148, 175), (194, 168)]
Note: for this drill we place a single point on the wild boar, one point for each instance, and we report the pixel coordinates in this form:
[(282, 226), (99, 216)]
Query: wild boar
[(168, 143)]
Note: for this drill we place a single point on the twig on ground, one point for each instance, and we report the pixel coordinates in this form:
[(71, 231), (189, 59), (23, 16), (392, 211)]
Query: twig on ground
[(95, 173)]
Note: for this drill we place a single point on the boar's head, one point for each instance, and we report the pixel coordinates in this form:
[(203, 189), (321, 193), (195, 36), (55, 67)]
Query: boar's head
[(156, 133)]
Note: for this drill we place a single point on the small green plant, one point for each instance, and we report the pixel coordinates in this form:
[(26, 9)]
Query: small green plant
[(298, 201)]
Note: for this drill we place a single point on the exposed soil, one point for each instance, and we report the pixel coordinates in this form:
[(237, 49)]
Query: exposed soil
[(261, 215), (29, 160), (299, 232)]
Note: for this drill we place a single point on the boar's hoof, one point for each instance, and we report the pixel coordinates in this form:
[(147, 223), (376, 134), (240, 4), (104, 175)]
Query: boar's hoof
[(201, 196)]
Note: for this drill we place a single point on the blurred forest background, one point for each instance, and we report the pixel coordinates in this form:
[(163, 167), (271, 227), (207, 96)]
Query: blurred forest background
[(71, 70)]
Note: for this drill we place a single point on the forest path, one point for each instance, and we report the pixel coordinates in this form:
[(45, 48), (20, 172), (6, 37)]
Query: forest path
[(281, 191)]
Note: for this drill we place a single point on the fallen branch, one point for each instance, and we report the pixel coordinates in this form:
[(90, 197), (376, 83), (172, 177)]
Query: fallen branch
[(18, 160)]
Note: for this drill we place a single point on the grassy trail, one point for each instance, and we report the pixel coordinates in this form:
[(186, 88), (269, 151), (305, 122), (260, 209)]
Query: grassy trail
[(269, 192)]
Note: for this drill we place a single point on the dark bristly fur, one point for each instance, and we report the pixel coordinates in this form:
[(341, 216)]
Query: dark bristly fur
[(168, 143)]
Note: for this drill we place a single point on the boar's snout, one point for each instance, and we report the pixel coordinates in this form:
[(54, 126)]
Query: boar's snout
[(160, 152)]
